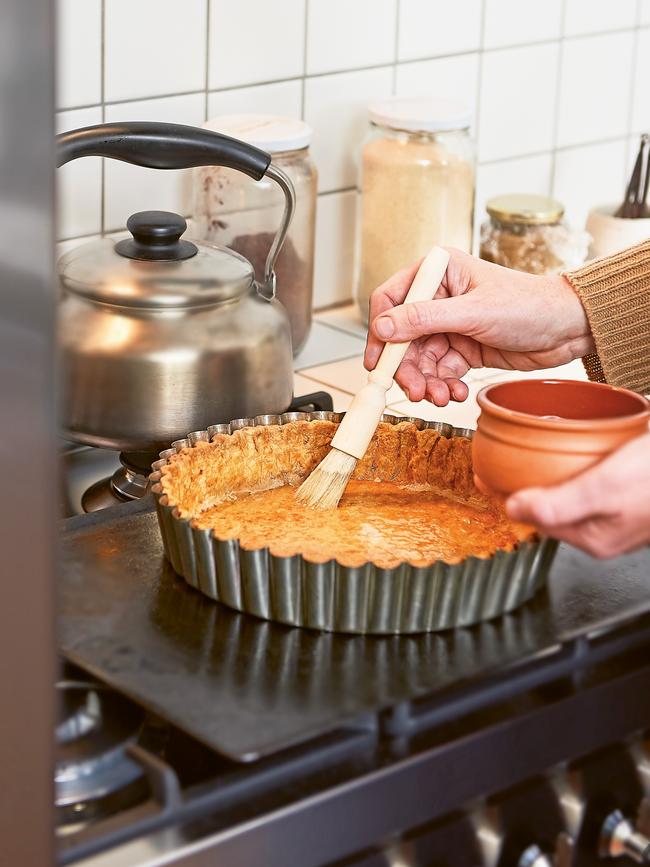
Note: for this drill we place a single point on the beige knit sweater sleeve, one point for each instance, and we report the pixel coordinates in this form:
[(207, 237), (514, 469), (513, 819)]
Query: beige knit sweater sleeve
[(615, 293)]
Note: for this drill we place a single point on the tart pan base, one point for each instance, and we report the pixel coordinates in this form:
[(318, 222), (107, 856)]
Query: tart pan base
[(336, 598)]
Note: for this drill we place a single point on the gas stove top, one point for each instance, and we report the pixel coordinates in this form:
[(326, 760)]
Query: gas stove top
[(261, 738), (194, 735)]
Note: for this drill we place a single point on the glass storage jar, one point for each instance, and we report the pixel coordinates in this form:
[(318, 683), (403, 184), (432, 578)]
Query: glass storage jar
[(415, 188), (238, 212), (526, 232)]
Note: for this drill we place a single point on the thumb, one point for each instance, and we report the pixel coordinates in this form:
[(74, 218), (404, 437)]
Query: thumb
[(558, 506), (420, 318)]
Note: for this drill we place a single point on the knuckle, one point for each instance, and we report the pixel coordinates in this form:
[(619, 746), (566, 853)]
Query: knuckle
[(374, 304), (546, 512), (541, 507), (599, 544), (600, 549), (377, 293), (418, 315)]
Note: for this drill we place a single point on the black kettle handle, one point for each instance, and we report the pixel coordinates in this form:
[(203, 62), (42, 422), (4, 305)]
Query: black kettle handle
[(177, 146), (161, 146)]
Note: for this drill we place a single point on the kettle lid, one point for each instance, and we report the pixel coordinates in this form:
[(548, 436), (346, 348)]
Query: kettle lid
[(155, 267)]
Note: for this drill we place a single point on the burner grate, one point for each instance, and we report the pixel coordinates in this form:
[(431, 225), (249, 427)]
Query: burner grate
[(96, 479), (391, 776)]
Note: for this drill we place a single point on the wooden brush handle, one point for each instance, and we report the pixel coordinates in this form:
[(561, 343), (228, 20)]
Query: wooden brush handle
[(363, 416), (424, 286)]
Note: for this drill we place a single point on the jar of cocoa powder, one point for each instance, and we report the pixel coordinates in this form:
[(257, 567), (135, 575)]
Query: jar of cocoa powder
[(416, 187), (231, 209)]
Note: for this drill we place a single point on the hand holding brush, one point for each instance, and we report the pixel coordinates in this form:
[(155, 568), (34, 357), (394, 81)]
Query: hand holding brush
[(325, 486)]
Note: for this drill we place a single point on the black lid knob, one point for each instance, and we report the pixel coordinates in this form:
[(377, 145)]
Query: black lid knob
[(156, 237)]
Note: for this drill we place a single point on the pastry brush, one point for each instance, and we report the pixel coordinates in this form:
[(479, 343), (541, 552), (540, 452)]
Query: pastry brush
[(325, 486)]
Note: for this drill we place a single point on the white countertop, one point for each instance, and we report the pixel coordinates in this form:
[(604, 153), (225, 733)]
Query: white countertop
[(332, 361)]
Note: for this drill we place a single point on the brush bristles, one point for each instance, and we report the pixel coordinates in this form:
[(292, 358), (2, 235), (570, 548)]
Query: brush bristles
[(325, 486)]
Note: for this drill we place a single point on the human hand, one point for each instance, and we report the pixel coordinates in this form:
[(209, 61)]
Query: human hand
[(605, 510), (482, 315)]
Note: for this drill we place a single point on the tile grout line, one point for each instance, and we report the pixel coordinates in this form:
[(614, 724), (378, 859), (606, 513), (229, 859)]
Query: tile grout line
[(477, 101), (398, 10), (338, 327), (208, 15), (637, 28), (304, 373), (550, 151), (634, 63), (490, 162), (347, 70), (71, 238), (558, 92), (102, 96), (336, 191), (304, 61), (301, 370), (631, 132)]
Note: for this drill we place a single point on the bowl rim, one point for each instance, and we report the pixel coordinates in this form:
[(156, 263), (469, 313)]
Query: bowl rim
[(484, 402)]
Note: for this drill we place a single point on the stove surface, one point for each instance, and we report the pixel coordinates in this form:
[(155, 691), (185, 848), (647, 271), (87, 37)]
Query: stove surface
[(127, 618)]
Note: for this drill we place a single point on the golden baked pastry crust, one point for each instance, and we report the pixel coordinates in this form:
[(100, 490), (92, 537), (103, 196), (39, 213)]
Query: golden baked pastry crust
[(424, 508)]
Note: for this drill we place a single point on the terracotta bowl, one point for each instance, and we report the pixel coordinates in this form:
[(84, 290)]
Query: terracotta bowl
[(537, 432)]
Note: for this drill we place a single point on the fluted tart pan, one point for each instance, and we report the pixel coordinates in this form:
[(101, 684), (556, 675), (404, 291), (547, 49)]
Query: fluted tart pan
[(331, 596)]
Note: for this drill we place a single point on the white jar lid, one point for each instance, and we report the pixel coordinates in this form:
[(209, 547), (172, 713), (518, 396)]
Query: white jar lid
[(420, 115), (270, 132)]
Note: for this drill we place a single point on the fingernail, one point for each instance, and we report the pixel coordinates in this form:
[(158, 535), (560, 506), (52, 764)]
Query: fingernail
[(384, 327)]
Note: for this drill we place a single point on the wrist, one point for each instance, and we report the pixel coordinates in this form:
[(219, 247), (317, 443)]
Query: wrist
[(573, 316)]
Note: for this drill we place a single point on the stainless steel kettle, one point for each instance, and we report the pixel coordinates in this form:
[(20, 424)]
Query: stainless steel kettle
[(159, 335)]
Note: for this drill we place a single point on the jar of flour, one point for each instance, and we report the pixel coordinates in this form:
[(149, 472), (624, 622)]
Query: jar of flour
[(416, 187)]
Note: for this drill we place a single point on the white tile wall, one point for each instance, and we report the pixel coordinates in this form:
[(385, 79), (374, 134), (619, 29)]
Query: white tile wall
[(518, 94), (153, 47), (335, 220), (641, 104), (532, 174), (79, 184), (596, 82), (252, 41), (281, 97), (427, 28), (605, 163), (344, 35), (559, 88), (644, 12), (335, 108), (130, 188), (457, 77), (596, 16), (513, 22), (79, 25)]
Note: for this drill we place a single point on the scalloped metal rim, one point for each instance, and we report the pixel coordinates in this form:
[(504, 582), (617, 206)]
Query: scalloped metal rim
[(335, 598)]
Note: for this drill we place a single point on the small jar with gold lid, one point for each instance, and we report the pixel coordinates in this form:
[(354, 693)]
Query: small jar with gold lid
[(527, 233)]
